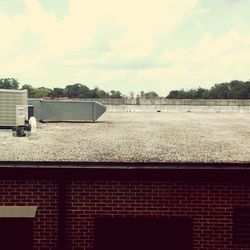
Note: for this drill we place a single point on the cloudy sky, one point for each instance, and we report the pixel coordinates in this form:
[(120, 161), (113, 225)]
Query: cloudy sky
[(130, 45)]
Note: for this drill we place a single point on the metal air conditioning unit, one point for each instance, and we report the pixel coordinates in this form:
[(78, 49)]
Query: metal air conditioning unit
[(14, 110)]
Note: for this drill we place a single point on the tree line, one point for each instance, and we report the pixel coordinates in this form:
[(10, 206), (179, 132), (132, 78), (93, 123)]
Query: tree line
[(228, 90), (76, 90)]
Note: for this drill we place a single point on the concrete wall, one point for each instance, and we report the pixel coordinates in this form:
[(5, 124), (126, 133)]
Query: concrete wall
[(176, 108), (195, 102), (171, 105)]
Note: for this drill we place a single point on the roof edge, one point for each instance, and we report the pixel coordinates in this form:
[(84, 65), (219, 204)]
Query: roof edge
[(125, 165)]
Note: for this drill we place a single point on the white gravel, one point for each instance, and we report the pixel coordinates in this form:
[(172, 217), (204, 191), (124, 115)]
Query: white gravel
[(137, 137)]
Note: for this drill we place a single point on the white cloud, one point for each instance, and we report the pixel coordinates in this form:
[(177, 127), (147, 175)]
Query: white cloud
[(140, 24), (210, 47), (12, 29), (109, 79), (226, 57), (22, 67), (146, 23), (201, 11), (138, 27)]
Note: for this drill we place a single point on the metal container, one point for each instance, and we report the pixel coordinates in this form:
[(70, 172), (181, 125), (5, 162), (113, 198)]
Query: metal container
[(9, 99), (66, 110)]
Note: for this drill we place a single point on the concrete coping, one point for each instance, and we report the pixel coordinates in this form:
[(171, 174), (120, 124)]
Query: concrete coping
[(18, 211), (13, 91)]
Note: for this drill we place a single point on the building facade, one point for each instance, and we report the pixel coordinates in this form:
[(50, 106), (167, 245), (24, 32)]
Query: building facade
[(125, 206)]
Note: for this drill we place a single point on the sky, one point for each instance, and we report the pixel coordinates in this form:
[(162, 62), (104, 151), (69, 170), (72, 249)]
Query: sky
[(132, 45)]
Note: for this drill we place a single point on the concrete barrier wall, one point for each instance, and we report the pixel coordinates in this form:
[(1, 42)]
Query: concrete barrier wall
[(111, 101), (176, 108), (172, 105), (198, 102)]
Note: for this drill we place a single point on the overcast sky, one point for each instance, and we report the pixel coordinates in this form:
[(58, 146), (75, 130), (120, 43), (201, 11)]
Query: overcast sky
[(127, 45)]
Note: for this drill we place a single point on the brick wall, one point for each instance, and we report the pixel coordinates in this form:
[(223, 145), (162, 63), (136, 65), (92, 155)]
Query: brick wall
[(209, 204), (41, 193)]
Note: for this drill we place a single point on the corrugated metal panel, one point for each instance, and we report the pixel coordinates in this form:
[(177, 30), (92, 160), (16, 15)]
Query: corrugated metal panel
[(9, 99), (99, 109), (36, 103), (57, 110), (66, 111)]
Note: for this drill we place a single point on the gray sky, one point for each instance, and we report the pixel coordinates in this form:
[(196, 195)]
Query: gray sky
[(130, 45)]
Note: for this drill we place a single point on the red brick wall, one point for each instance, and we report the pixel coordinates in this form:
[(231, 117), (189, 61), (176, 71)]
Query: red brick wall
[(43, 194), (210, 205)]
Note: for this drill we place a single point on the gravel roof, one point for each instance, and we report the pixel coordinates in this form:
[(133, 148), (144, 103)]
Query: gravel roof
[(137, 137)]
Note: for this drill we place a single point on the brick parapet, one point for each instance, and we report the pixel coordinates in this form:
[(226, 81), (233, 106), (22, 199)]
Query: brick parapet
[(208, 203)]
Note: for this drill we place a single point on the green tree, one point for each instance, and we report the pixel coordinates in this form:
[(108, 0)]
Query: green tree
[(199, 93), (100, 93), (152, 95), (202, 93), (91, 94), (42, 92), (245, 92), (76, 90), (238, 89), (234, 89), (30, 89), (173, 94), (115, 94), (220, 91), (9, 83), (57, 93)]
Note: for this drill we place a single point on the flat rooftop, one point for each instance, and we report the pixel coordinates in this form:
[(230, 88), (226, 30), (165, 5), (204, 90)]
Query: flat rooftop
[(137, 137)]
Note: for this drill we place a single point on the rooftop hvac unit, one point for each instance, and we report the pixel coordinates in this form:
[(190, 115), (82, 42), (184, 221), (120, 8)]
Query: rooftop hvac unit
[(21, 115), (66, 110), (9, 100)]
